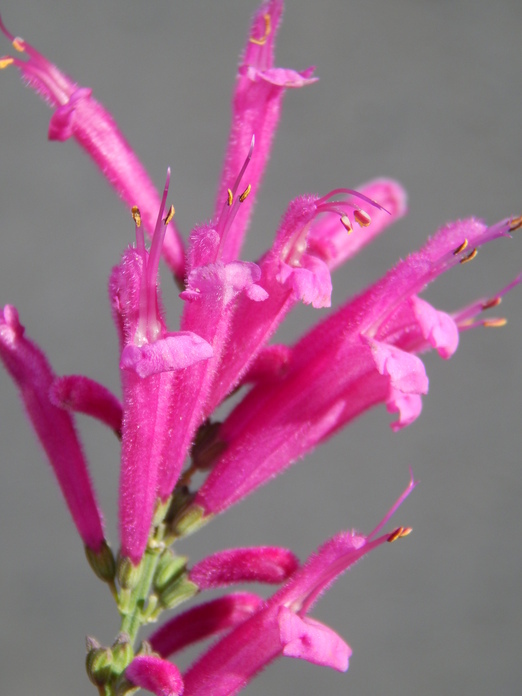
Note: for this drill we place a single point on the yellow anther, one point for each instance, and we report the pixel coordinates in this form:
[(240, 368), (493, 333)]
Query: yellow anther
[(345, 222), (245, 193), (230, 197), (495, 323), (268, 29), (399, 533), (469, 257), (515, 224), (169, 216), (5, 61), (361, 217), (19, 44), (395, 535), (494, 302), (460, 248), (136, 215)]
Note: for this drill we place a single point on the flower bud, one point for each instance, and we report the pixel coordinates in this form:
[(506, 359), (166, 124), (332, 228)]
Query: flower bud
[(169, 568), (177, 591), (98, 664)]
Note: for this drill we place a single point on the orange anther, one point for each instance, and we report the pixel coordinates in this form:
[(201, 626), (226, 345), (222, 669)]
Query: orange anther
[(230, 197), (5, 61), (460, 247), (268, 29), (494, 323), (361, 217), (136, 215), (494, 302), (469, 257), (345, 222), (18, 44), (245, 193), (515, 224), (169, 215)]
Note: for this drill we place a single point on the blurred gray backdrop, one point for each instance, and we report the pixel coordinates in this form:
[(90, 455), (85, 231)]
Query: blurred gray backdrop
[(427, 91)]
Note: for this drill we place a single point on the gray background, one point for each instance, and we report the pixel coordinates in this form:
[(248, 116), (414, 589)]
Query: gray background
[(426, 91)]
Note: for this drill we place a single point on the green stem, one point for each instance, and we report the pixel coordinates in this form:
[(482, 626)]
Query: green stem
[(133, 617)]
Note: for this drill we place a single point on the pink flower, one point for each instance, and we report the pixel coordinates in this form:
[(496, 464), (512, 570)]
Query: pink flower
[(365, 353), (53, 426), (156, 675), (78, 115), (281, 626)]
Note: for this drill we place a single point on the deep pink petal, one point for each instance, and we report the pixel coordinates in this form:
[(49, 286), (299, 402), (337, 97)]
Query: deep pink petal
[(204, 621), (81, 117), (267, 564), (156, 675), (256, 108), (84, 395)]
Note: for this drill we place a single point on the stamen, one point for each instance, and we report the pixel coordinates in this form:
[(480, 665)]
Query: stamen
[(469, 257), (169, 215), (345, 222), (136, 215), (231, 205), (494, 302), (245, 193), (5, 61), (460, 248), (361, 217), (494, 323), (19, 44), (399, 533), (268, 29), (245, 165), (515, 224)]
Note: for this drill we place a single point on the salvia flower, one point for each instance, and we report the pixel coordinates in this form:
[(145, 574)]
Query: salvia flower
[(363, 354), (281, 626)]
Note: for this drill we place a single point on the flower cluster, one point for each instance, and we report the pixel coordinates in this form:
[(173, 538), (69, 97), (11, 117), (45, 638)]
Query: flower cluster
[(363, 354)]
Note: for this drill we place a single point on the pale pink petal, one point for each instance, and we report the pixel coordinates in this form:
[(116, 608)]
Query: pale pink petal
[(174, 352), (310, 640)]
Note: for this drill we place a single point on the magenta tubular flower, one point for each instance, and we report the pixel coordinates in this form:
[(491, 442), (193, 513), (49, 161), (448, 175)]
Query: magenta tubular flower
[(361, 356), (77, 115), (204, 621), (150, 358), (297, 268), (154, 674), (256, 108), (53, 426), (282, 626), (267, 564)]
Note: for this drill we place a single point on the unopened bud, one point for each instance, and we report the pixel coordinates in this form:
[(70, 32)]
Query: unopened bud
[(176, 592), (102, 562), (122, 653), (189, 520), (169, 568), (98, 664)]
